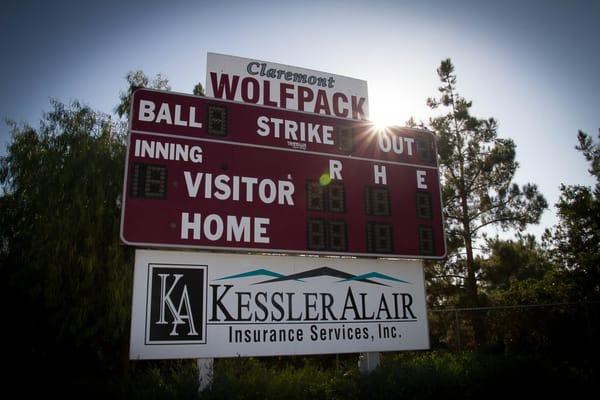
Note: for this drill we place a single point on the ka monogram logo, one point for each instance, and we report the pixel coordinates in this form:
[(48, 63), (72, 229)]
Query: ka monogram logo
[(176, 306)]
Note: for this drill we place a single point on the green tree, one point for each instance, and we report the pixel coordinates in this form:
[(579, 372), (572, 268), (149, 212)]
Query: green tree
[(575, 240), (512, 261), (65, 272), (198, 90), (66, 275), (135, 80), (521, 271), (477, 169)]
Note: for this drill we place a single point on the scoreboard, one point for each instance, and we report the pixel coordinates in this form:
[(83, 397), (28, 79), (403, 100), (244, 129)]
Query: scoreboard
[(215, 174)]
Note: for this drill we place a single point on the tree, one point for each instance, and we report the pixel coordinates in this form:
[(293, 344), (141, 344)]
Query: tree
[(135, 80), (575, 240), (138, 79), (66, 277), (477, 169), (198, 90), (520, 272), (512, 261), (65, 273)]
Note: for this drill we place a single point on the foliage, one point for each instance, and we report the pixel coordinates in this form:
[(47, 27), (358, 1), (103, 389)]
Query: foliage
[(135, 80), (575, 241), (170, 379), (477, 169), (513, 273), (198, 90), (407, 375), (65, 273), (250, 378), (417, 375), (513, 261), (64, 270), (173, 379)]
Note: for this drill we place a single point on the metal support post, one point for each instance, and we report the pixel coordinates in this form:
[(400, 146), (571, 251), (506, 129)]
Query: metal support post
[(368, 362), (205, 373)]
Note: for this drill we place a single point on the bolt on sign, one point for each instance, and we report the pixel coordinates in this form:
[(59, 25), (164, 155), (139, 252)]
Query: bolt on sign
[(285, 86), (214, 174), (205, 305)]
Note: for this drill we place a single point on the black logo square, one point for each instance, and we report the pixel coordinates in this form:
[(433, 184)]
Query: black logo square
[(176, 304)]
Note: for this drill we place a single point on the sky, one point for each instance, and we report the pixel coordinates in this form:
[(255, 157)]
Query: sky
[(532, 65)]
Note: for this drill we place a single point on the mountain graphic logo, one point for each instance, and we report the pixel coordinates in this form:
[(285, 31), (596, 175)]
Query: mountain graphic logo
[(314, 273)]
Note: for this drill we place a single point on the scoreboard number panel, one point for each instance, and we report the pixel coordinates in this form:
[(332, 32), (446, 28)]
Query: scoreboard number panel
[(213, 174)]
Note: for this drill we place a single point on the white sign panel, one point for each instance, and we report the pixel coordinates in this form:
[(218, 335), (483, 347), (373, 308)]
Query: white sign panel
[(204, 305), (283, 86)]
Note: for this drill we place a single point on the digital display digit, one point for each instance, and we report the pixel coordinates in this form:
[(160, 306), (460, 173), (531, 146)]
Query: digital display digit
[(424, 210), (346, 138), (424, 150), (377, 201), (426, 240), (379, 237), (316, 234), (149, 181), (330, 197), (337, 236), (315, 196), (217, 120), (330, 235), (335, 197)]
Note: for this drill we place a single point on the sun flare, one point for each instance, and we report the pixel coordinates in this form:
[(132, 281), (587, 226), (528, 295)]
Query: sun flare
[(385, 115), (387, 108), (381, 124)]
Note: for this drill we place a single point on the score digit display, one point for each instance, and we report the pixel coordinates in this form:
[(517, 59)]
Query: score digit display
[(214, 174), (149, 181)]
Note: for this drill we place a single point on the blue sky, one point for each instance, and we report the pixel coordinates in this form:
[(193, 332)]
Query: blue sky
[(533, 65)]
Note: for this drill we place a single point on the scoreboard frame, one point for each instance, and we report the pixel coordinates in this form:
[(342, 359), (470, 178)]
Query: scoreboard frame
[(260, 174)]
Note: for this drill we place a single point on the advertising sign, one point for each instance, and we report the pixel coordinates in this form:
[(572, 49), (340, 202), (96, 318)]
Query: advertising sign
[(293, 88), (205, 305), (213, 174)]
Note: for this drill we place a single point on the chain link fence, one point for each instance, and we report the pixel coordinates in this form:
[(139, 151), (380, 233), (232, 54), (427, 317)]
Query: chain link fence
[(569, 329)]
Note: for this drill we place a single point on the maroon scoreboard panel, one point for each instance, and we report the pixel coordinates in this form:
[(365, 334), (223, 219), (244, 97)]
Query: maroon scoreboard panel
[(213, 174)]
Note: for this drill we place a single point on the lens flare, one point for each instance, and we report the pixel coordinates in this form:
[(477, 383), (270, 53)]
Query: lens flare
[(325, 179)]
